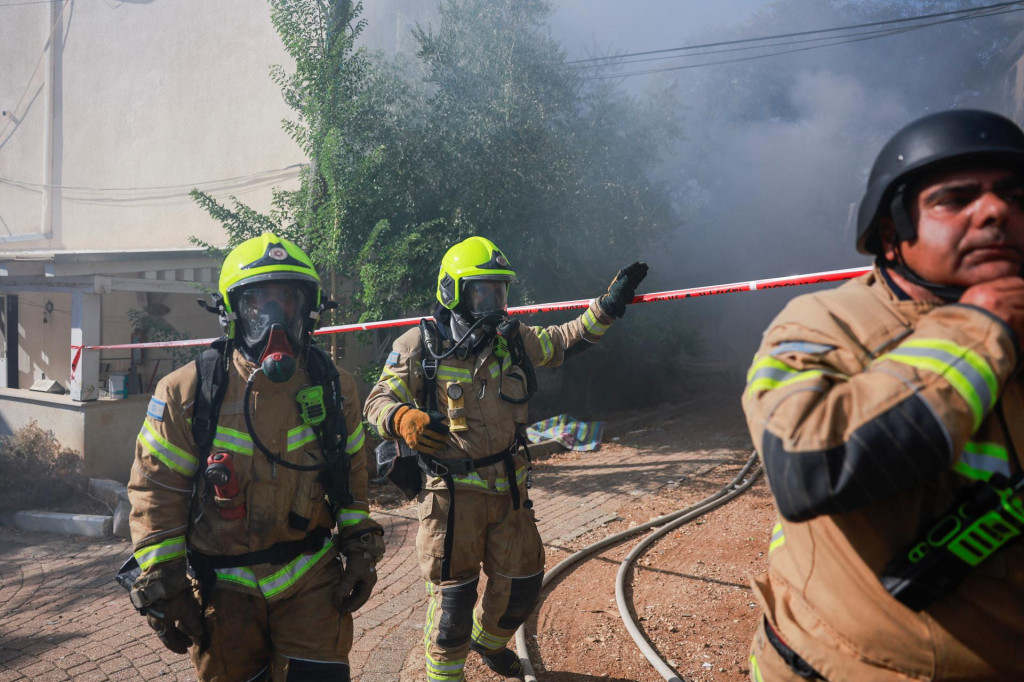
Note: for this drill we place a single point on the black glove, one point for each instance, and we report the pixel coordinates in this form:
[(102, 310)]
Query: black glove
[(164, 595), (360, 572), (622, 289)]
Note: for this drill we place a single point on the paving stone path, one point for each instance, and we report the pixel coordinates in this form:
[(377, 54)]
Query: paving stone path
[(62, 617)]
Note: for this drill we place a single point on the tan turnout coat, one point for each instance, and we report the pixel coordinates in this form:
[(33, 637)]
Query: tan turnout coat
[(855, 370)]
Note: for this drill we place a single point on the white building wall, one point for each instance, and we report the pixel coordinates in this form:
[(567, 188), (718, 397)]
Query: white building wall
[(154, 98)]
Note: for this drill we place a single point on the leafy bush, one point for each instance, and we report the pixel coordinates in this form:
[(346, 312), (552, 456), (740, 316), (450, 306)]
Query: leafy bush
[(36, 472)]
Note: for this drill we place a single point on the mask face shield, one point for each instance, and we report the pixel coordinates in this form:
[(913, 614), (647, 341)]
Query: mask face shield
[(484, 297), (265, 305)]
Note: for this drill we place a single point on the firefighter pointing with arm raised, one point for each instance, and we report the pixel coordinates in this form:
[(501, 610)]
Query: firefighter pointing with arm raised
[(455, 391), (889, 416), (245, 463)]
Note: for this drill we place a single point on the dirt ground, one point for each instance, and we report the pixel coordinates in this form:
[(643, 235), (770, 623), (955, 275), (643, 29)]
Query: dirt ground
[(690, 589)]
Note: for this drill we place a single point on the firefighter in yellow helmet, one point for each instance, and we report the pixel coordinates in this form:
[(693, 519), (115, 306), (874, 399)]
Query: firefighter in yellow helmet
[(246, 462), (454, 394), (887, 413)]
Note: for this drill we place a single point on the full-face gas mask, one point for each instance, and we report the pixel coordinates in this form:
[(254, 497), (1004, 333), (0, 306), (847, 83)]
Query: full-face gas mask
[(271, 319), (482, 307)]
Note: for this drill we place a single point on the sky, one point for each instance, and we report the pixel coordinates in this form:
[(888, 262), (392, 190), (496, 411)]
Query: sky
[(641, 24)]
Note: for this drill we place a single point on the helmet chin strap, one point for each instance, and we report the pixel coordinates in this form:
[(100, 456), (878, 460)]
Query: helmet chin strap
[(278, 359)]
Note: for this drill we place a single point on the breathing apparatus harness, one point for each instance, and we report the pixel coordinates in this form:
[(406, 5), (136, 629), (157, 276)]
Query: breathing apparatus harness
[(320, 404), (508, 346)]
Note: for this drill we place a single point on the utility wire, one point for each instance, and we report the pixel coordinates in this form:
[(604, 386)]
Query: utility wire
[(835, 40), (968, 10), (838, 41), (31, 78), (28, 2), (165, 195)]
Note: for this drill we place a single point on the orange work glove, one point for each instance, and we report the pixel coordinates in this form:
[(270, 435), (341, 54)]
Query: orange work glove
[(423, 431)]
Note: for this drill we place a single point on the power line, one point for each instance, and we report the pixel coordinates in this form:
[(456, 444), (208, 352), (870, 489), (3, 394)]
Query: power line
[(164, 195), (28, 2), (31, 78), (839, 40), (797, 34)]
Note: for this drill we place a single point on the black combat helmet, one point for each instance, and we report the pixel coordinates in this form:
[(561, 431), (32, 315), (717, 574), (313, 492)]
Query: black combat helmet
[(921, 146)]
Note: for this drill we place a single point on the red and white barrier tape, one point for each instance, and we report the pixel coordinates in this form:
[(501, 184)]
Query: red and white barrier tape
[(752, 285)]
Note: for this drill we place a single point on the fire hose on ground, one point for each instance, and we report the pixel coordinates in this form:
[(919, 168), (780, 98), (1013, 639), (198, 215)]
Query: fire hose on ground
[(669, 522)]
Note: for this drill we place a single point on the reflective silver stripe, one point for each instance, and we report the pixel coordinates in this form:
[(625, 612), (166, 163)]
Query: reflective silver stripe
[(772, 374), (803, 347), (350, 517), (174, 457), (397, 385), (956, 365), (591, 323), (289, 575), (356, 440), (167, 550), (778, 538), (233, 440), (490, 641), (980, 460), (239, 576), (547, 349), (299, 436), (448, 373)]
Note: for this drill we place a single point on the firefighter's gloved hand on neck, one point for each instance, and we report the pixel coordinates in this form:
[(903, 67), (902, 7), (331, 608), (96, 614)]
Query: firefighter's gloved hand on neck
[(423, 431), (622, 289), (360, 571), (271, 316), (164, 594)]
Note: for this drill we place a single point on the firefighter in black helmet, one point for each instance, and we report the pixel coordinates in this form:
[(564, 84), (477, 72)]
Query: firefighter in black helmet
[(890, 403)]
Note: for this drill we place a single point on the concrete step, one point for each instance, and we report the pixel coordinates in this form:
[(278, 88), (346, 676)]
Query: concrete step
[(88, 525)]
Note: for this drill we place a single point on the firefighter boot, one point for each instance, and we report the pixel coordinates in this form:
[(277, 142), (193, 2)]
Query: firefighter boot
[(504, 661)]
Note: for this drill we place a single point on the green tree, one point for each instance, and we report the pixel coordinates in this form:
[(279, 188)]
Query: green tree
[(518, 147)]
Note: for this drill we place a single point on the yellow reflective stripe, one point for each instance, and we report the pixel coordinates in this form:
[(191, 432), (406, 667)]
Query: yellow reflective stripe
[(487, 639), (299, 436), (438, 671), (397, 385), (778, 538), (173, 548), (350, 517), (963, 355), (472, 478), (448, 373), (769, 374), (755, 672), (356, 440), (239, 576), (229, 439), (547, 349), (494, 370), (171, 455), (979, 461), (591, 323), (947, 371), (500, 483), (296, 568)]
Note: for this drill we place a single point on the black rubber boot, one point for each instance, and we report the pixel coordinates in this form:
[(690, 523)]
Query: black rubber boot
[(504, 662)]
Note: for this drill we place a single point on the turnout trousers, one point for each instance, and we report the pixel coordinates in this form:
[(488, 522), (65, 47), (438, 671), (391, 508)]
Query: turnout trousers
[(305, 633), (488, 532)]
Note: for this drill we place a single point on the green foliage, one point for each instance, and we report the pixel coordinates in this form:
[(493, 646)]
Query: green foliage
[(489, 132), (37, 472)]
